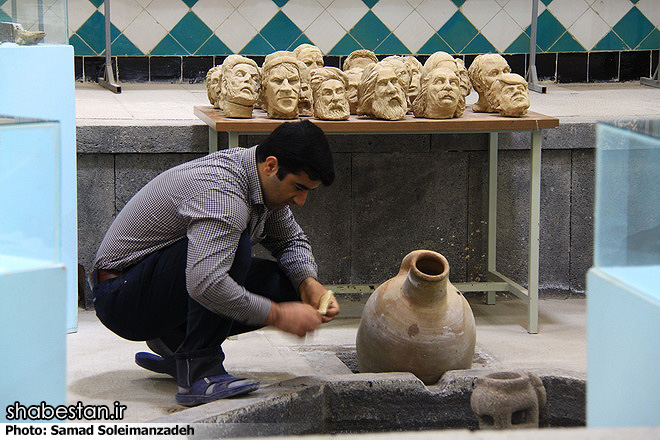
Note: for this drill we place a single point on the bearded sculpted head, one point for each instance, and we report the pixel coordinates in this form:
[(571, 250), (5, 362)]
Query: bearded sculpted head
[(240, 86), (213, 84), (381, 93), (310, 55), (281, 82), (401, 70), (329, 86), (305, 106), (443, 59), (483, 71), (440, 95), (509, 95), (415, 69)]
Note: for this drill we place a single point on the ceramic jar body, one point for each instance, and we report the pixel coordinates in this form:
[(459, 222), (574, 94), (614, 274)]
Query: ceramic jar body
[(417, 322)]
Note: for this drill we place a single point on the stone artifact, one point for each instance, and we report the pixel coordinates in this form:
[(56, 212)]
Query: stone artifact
[(443, 59), (508, 400), (440, 96), (381, 93), (240, 86), (509, 95), (213, 85), (14, 33), (329, 94), (415, 69), (354, 65), (305, 102), (483, 71), (417, 322), (353, 76), (402, 72), (310, 55), (466, 84), (281, 82)]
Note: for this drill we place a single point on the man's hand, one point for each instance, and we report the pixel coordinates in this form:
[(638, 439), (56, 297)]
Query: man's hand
[(294, 317), (311, 292)]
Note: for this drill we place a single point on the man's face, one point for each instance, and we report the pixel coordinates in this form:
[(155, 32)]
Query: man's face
[(331, 101), (514, 98), (415, 75), (214, 85), (443, 93), (494, 67), (242, 87), (389, 97), (354, 75), (283, 89), (292, 190), (402, 72), (312, 58)]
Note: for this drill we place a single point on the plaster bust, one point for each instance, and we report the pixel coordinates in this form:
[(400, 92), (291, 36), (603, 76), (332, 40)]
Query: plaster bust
[(310, 55), (305, 101), (381, 93), (483, 71), (329, 86), (281, 82), (415, 69), (466, 84), (443, 59), (353, 76), (359, 58), (401, 70), (213, 83), (509, 95), (240, 86), (440, 95)]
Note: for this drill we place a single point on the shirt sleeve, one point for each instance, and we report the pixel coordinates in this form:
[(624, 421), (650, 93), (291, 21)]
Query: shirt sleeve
[(287, 242), (217, 220)]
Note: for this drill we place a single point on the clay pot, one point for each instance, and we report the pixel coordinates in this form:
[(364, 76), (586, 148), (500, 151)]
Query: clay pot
[(508, 400), (417, 322)]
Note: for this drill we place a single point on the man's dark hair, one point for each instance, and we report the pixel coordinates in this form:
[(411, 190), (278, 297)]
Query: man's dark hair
[(299, 146)]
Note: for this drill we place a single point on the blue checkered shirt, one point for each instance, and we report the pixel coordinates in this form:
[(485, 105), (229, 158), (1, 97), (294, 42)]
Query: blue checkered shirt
[(211, 200)]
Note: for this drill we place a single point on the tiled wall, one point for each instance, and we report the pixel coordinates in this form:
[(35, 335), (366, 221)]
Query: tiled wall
[(258, 27)]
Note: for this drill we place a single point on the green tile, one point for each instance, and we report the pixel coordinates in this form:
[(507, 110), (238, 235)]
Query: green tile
[(633, 27), (257, 46), (280, 3), (521, 44), (370, 31), (435, 44), (652, 42), (611, 42), (2, 2), (370, 3), (392, 46), (546, 2), (124, 46), (280, 31), (567, 43), (345, 46), (191, 32), (190, 3), (302, 39), (98, 3), (548, 31), (458, 3), (92, 32), (214, 46), (458, 32), (79, 46), (479, 45), (168, 46), (5, 17)]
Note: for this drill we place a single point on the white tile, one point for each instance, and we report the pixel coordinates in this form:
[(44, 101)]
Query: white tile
[(613, 10), (501, 31), (414, 3), (437, 12), (236, 3), (123, 12), (79, 12), (236, 32), (347, 12), (568, 11), (521, 11), (145, 32), (258, 12), (392, 12), (167, 12), (480, 12), (324, 3), (325, 32), (589, 29), (502, 2), (213, 12), (414, 31), (145, 3), (650, 8), (302, 12)]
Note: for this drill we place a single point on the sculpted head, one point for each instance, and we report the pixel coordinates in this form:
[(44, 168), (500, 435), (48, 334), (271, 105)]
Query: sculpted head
[(443, 59), (354, 76), (240, 86), (401, 70), (310, 55), (329, 86), (305, 101), (213, 84), (381, 93), (281, 82), (359, 58), (466, 84), (509, 95), (483, 71), (440, 95), (415, 69)]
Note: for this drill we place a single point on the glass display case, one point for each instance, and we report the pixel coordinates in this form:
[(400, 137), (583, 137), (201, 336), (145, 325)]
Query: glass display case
[(49, 16), (623, 286), (32, 276)]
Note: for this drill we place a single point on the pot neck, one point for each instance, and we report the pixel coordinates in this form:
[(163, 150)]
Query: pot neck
[(427, 278)]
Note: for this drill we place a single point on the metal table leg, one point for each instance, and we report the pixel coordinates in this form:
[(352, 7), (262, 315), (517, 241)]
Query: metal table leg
[(492, 210), (213, 140), (233, 139), (534, 234)]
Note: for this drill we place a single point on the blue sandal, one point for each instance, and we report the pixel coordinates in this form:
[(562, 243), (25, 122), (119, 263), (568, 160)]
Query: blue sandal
[(155, 363), (213, 388)]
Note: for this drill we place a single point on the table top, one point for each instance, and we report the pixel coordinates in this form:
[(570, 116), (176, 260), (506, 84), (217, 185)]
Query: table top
[(469, 122)]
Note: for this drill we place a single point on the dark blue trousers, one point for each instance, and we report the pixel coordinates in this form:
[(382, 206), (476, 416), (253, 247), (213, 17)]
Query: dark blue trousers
[(149, 300)]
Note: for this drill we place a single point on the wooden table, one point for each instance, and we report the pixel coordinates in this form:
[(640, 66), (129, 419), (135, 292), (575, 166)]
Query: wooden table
[(469, 123)]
